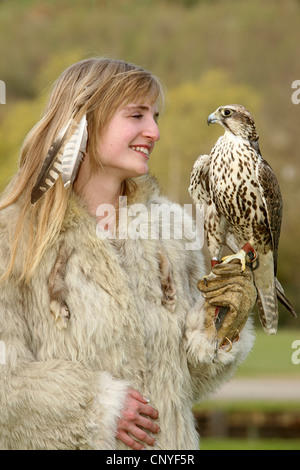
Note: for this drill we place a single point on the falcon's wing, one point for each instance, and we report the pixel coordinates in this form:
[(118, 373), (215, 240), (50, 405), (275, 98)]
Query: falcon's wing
[(199, 184), (271, 195)]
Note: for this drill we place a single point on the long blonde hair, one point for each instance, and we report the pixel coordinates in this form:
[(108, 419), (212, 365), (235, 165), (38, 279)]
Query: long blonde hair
[(97, 87)]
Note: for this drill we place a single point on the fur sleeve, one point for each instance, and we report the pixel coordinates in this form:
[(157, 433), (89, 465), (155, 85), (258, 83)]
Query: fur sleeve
[(208, 375), (55, 404)]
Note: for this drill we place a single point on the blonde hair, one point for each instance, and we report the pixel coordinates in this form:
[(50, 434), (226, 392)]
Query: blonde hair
[(97, 87)]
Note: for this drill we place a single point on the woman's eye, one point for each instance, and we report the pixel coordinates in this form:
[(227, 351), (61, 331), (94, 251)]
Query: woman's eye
[(137, 116)]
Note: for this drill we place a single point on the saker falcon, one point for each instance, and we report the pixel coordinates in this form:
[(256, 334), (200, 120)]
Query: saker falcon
[(243, 205)]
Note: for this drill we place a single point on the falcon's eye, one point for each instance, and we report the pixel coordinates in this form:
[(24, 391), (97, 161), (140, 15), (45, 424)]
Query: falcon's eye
[(227, 112)]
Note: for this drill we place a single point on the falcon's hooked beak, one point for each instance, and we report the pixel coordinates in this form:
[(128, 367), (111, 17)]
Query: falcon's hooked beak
[(212, 118)]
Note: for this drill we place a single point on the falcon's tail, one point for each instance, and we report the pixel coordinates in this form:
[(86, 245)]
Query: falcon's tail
[(268, 310), (266, 293), (231, 243), (282, 298)]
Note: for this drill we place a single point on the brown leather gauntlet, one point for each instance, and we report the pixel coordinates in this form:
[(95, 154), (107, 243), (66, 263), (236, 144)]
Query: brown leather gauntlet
[(229, 296)]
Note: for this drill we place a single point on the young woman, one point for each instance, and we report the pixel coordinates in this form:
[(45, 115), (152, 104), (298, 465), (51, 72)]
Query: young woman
[(108, 340)]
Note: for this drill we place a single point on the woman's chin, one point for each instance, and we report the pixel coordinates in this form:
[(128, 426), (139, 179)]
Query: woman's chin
[(142, 170)]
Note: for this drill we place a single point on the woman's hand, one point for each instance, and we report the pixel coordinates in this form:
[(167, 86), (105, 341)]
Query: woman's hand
[(135, 423)]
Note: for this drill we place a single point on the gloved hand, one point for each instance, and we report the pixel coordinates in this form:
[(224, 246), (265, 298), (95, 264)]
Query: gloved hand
[(234, 291)]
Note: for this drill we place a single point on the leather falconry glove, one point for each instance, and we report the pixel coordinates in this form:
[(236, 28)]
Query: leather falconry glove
[(229, 294)]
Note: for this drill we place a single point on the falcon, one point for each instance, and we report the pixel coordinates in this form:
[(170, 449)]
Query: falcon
[(243, 206)]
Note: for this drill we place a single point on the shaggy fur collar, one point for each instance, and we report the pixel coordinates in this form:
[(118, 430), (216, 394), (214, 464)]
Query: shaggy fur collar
[(146, 190)]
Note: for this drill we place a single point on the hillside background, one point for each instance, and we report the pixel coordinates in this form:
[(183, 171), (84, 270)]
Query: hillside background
[(207, 53)]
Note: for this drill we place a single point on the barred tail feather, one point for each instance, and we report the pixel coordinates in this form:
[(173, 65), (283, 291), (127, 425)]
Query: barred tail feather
[(266, 293), (268, 310), (51, 168), (73, 152), (231, 243)]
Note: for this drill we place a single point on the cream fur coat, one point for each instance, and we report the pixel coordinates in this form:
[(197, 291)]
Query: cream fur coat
[(63, 385)]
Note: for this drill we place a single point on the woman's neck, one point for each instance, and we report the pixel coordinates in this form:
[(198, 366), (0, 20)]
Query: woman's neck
[(97, 188)]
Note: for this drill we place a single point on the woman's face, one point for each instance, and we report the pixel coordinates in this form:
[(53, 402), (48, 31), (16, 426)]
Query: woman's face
[(128, 139)]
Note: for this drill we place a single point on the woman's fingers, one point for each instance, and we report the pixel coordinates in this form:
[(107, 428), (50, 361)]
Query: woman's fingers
[(137, 431), (129, 441), (147, 424), (137, 404), (142, 435), (148, 410), (135, 422), (137, 396)]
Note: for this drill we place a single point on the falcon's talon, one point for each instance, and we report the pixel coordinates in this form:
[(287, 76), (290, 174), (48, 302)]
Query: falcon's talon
[(241, 255), (208, 277)]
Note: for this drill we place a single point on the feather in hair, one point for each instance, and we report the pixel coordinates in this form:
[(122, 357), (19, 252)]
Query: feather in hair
[(51, 167), (73, 153), (63, 157)]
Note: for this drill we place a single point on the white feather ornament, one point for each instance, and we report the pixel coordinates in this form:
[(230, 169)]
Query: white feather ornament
[(73, 153), (63, 158)]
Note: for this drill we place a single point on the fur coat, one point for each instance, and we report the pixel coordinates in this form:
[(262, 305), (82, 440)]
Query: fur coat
[(67, 370)]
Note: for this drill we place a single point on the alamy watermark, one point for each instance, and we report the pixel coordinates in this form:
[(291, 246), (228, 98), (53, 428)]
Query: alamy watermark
[(296, 354), (2, 92), (2, 352), (296, 94), (157, 221)]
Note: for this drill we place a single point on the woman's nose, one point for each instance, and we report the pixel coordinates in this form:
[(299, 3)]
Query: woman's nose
[(152, 131)]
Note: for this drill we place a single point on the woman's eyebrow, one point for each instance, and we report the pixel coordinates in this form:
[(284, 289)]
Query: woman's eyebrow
[(137, 106)]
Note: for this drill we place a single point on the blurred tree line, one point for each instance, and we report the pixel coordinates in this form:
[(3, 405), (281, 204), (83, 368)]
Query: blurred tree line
[(208, 53)]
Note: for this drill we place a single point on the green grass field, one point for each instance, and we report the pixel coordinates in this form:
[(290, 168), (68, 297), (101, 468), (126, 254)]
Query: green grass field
[(245, 444), (272, 355)]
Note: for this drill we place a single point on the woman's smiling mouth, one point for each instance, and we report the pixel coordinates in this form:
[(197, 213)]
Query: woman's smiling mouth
[(145, 151)]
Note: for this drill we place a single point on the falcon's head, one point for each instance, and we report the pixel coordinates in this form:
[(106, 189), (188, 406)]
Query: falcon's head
[(235, 119)]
